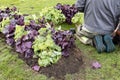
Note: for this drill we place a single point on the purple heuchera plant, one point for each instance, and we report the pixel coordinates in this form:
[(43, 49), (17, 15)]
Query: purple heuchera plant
[(65, 40), (24, 44), (9, 34), (68, 10), (96, 65)]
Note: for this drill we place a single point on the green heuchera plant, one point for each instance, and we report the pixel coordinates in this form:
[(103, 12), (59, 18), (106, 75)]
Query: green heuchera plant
[(27, 19), (5, 22), (30, 17), (52, 15), (78, 19), (45, 48), (19, 32)]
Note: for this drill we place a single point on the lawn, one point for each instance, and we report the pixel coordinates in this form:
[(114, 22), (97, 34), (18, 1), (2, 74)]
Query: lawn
[(13, 68)]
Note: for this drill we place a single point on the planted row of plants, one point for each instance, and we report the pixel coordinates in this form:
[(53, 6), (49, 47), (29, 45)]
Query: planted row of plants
[(35, 36)]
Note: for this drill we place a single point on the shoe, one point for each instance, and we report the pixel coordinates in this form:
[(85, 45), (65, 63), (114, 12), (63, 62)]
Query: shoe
[(110, 47), (98, 43)]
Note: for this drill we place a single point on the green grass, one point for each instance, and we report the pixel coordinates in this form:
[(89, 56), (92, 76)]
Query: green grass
[(110, 63), (26, 5), (13, 68)]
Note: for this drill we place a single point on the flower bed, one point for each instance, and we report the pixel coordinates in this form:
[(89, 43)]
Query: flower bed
[(39, 44)]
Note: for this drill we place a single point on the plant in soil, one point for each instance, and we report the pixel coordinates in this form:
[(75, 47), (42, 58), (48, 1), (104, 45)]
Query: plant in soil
[(38, 43), (52, 15), (45, 48), (68, 10)]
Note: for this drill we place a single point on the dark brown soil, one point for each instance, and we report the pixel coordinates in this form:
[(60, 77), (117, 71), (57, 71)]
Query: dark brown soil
[(1, 35), (66, 65)]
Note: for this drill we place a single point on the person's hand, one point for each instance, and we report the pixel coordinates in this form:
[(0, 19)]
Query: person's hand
[(118, 32)]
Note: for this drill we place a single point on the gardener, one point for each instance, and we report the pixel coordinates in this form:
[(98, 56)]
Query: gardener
[(100, 20)]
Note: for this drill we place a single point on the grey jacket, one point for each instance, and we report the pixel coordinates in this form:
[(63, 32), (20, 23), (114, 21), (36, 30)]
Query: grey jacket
[(100, 16)]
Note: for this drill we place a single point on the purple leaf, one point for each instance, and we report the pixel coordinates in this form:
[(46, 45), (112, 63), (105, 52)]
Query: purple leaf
[(29, 53), (36, 68), (10, 41), (96, 65), (28, 44)]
